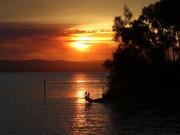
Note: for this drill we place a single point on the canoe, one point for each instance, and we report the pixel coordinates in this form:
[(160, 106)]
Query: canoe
[(90, 100)]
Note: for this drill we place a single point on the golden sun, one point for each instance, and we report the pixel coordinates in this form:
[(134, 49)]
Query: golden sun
[(78, 45), (81, 42)]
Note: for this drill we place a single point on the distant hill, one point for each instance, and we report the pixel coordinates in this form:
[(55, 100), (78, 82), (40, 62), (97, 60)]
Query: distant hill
[(50, 66)]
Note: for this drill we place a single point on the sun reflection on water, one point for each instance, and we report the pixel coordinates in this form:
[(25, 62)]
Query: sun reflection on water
[(80, 81), (81, 87), (80, 96), (85, 118)]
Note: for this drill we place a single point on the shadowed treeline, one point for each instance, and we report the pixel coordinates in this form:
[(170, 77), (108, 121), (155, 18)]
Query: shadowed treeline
[(145, 67)]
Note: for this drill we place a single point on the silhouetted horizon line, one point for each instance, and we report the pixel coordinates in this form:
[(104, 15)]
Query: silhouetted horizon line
[(37, 65), (52, 60)]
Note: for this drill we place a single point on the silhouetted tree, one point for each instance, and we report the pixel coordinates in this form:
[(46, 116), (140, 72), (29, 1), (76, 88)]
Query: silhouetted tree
[(148, 53)]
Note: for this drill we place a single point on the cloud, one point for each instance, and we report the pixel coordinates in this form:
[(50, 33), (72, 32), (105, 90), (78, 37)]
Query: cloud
[(20, 30), (23, 40), (50, 42)]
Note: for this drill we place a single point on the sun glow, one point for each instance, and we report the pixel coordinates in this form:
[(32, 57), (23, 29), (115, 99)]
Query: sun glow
[(81, 42), (80, 46), (89, 41)]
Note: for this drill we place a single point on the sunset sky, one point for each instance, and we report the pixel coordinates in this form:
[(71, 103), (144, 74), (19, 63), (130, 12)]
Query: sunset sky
[(73, 30)]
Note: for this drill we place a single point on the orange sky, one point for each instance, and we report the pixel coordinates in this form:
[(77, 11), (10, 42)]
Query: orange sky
[(73, 30), (54, 42)]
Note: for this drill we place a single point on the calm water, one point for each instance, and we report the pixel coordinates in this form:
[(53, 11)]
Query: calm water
[(24, 112)]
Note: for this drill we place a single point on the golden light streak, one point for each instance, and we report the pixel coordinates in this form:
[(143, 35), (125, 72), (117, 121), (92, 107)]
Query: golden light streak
[(83, 41), (80, 81)]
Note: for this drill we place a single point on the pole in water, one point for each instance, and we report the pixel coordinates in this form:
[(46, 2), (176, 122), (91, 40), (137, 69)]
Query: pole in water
[(45, 89)]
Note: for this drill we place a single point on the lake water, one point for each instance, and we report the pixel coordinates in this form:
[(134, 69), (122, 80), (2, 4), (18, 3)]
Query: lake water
[(25, 112)]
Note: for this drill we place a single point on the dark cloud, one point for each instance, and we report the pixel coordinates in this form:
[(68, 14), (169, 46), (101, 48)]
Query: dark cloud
[(10, 31), (25, 40)]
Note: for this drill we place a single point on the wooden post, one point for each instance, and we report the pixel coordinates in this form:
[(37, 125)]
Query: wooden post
[(45, 89)]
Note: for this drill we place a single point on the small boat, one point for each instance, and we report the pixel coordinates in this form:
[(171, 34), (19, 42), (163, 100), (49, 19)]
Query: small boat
[(90, 100), (98, 100)]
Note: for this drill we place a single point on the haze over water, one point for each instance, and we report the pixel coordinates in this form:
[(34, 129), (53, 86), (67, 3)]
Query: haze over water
[(24, 112)]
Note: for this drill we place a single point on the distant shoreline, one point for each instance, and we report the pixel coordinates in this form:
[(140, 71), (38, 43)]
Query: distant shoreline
[(50, 66)]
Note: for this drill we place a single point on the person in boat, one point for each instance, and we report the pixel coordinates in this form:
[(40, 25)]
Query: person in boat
[(88, 94), (85, 94), (87, 98)]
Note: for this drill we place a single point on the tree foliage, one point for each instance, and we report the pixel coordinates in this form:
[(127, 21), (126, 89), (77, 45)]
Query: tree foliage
[(148, 51)]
